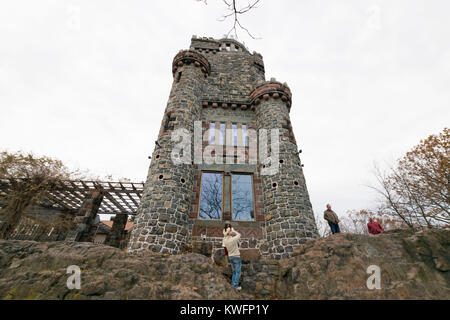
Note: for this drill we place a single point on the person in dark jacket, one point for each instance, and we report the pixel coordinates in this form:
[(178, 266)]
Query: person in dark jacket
[(374, 227), (333, 221)]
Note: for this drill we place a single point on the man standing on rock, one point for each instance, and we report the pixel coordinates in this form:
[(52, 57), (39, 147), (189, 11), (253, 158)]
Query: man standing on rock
[(231, 243), (332, 218)]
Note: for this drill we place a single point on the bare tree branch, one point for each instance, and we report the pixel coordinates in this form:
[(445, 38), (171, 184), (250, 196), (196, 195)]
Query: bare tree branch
[(234, 12), (417, 188)]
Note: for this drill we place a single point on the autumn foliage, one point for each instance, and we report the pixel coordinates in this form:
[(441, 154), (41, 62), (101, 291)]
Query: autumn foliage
[(416, 190)]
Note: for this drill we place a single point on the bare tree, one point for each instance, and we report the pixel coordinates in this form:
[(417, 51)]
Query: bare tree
[(234, 11), (211, 197), (416, 190), (242, 199), (322, 226), (355, 221)]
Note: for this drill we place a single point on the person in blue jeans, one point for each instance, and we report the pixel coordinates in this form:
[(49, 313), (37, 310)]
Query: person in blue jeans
[(231, 245), (333, 221)]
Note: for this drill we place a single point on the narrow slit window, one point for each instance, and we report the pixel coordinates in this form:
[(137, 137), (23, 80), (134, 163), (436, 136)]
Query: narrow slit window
[(245, 135), (222, 134), (211, 132), (235, 137)]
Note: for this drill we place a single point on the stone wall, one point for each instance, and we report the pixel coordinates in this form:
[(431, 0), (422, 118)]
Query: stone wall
[(86, 215), (289, 216), (117, 236), (43, 224), (234, 74)]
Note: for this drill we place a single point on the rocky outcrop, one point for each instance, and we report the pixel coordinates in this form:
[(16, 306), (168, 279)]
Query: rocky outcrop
[(37, 270), (412, 265)]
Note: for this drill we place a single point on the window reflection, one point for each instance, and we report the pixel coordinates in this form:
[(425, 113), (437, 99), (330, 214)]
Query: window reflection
[(211, 197), (242, 197)]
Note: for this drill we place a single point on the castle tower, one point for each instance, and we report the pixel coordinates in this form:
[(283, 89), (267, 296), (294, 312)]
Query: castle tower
[(220, 98)]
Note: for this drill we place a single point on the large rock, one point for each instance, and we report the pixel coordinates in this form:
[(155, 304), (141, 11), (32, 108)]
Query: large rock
[(37, 270), (413, 266)]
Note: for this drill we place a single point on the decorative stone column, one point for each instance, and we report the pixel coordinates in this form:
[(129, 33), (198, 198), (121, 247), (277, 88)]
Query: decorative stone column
[(85, 217), (162, 217), (117, 233), (289, 216)]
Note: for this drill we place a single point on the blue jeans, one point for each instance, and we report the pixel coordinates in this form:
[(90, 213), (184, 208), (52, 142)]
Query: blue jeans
[(236, 264), (334, 227)]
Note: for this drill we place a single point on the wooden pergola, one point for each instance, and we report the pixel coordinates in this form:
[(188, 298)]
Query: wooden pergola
[(119, 197)]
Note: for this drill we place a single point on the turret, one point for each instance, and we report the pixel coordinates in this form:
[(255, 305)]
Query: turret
[(288, 211), (162, 218)]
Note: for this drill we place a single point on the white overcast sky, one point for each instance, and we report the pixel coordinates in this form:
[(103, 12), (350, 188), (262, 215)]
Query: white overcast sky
[(87, 81)]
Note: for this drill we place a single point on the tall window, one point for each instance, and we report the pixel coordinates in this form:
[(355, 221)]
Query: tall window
[(245, 135), (212, 193), (242, 197), (211, 132), (222, 133), (211, 197), (235, 136)]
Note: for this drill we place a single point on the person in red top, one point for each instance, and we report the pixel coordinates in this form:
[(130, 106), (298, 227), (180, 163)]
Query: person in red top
[(374, 227)]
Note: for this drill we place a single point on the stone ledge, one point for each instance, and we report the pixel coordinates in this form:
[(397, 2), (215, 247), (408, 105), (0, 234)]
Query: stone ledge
[(189, 56), (271, 89)]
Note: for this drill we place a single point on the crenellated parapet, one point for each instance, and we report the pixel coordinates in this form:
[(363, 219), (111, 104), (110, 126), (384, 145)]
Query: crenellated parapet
[(188, 57), (271, 89)]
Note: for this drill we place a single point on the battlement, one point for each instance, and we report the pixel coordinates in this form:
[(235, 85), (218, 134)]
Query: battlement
[(231, 71), (210, 45)]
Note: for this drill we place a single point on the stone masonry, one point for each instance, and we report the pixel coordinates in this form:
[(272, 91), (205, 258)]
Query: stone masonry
[(221, 82), (116, 237), (85, 217)]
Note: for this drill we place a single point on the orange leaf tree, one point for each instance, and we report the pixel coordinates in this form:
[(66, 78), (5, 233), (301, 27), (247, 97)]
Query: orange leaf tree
[(416, 190)]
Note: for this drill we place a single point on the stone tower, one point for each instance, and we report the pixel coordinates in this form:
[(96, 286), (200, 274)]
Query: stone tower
[(221, 98)]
